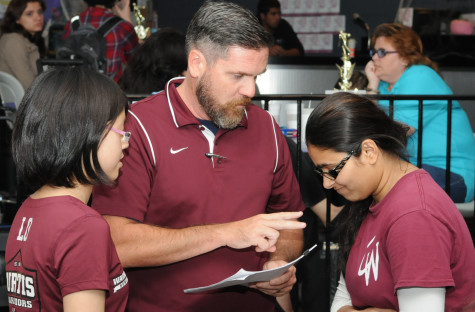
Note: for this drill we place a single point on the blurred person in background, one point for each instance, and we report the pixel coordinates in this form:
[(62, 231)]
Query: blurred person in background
[(161, 57), (21, 44), (399, 67), (121, 40), (286, 42)]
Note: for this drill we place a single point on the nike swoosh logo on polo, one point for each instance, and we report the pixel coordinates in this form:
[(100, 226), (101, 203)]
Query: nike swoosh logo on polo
[(178, 150)]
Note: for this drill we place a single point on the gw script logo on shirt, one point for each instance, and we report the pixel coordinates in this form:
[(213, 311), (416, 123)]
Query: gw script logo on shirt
[(371, 262)]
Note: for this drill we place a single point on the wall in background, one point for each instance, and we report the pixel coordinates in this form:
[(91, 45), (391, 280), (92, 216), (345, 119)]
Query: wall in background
[(178, 13)]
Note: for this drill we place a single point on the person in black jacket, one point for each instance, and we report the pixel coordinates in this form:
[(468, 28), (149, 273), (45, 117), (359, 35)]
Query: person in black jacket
[(286, 42)]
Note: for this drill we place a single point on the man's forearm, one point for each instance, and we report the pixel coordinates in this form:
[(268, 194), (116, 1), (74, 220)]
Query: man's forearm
[(142, 245)]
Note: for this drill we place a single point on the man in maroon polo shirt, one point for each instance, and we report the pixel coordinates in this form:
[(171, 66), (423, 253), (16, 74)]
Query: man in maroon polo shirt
[(207, 185)]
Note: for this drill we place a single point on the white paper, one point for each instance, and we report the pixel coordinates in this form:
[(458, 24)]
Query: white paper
[(243, 277)]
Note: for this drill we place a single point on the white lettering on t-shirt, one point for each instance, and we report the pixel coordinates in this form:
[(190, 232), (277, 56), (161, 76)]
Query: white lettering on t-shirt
[(120, 282), (371, 260), (19, 303), (20, 284), (23, 236)]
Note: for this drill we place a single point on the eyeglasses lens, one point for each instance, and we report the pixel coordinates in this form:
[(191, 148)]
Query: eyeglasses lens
[(126, 136), (381, 52)]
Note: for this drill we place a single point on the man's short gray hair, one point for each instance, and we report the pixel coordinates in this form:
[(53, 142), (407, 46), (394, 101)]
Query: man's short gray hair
[(217, 26)]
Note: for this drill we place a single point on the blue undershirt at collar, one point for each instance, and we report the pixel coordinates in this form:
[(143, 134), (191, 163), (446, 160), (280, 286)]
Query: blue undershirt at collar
[(210, 125)]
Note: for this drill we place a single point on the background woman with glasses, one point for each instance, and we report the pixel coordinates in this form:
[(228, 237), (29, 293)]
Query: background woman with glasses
[(68, 136), (404, 245), (398, 66)]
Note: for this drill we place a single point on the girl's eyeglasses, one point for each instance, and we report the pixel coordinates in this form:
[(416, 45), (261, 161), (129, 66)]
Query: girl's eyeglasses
[(125, 134), (333, 173)]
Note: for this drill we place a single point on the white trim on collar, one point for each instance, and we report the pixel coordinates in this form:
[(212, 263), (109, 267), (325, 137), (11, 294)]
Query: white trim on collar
[(170, 102)]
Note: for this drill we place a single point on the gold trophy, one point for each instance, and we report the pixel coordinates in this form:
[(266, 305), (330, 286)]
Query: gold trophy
[(346, 70), (140, 29)]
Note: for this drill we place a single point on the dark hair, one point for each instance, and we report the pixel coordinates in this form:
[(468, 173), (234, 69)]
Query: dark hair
[(264, 7), (358, 81), (107, 3), (341, 122), (217, 26), (60, 124), (161, 57), (12, 15), (406, 41)]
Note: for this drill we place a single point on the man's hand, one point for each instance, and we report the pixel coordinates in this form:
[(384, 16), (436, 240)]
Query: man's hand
[(122, 9), (261, 230), (278, 286)]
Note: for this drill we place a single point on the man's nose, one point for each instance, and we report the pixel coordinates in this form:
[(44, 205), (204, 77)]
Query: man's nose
[(249, 88)]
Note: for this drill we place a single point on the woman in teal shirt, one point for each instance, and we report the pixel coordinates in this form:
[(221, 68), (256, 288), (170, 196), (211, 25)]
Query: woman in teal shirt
[(399, 67)]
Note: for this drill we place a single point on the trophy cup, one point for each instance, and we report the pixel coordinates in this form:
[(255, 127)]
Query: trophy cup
[(140, 29), (346, 70)]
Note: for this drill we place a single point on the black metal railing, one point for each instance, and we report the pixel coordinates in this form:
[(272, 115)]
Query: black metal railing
[(298, 99)]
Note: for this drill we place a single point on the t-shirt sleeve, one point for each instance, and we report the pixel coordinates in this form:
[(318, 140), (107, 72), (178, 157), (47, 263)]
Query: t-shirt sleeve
[(131, 195), (82, 256), (419, 248)]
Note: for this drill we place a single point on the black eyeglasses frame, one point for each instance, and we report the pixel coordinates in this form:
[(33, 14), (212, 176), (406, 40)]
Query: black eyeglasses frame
[(332, 174)]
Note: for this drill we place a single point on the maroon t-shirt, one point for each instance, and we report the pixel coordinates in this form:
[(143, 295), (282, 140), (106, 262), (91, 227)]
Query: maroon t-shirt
[(167, 180), (414, 237), (58, 246)]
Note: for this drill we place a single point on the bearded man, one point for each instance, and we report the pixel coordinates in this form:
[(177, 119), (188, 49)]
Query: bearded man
[(207, 185)]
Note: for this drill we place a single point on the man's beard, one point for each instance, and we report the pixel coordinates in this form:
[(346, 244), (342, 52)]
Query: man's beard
[(226, 116)]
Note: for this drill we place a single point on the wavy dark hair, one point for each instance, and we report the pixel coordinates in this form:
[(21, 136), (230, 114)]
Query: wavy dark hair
[(406, 41), (12, 15), (60, 124), (341, 122), (161, 57)]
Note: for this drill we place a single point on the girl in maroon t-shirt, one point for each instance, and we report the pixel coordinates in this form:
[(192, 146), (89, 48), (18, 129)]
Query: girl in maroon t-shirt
[(68, 136), (404, 245)]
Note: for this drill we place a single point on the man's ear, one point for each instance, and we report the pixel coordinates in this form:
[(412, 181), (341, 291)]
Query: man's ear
[(369, 152), (196, 63)]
